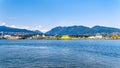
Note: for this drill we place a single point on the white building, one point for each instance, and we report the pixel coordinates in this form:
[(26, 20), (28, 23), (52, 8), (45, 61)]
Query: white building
[(99, 36), (91, 37), (7, 36)]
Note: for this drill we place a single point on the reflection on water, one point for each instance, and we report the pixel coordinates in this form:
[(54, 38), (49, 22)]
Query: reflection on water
[(60, 54)]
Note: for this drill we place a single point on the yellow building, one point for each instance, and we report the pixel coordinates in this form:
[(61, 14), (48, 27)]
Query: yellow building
[(65, 37), (115, 37)]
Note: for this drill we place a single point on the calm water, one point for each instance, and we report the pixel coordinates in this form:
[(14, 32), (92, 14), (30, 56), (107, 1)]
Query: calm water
[(60, 54)]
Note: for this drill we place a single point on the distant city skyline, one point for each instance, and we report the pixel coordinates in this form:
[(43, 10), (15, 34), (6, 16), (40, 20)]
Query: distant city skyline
[(45, 14)]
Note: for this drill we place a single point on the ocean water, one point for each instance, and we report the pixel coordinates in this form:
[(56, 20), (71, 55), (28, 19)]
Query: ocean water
[(60, 54)]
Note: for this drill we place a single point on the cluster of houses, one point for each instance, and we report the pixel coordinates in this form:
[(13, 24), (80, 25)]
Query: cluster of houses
[(61, 37)]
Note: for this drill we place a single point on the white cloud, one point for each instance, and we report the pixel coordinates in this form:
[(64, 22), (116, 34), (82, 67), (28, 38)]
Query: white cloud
[(13, 26), (3, 24), (38, 27), (24, 27), (41, 28)]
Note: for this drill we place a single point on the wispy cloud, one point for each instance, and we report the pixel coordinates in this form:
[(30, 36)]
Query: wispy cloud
[(2, 24), (38, 27)]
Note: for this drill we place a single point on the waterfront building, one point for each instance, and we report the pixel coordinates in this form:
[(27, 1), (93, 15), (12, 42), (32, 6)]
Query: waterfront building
[(98, 36), (91, 37), (65, 37), (13, 38), (2, 35), (7, 36), (43, 35), (115, 37)]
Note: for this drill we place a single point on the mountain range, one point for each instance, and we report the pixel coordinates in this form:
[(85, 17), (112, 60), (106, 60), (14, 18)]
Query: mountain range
[(81, 30), (70, 30), (9, 29)]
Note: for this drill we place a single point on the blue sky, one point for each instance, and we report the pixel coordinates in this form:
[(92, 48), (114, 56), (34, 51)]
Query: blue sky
[(46, 14)]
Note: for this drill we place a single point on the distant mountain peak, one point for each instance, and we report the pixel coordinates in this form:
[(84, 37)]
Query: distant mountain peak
[(37, 31), (10, 29), (81, 30)]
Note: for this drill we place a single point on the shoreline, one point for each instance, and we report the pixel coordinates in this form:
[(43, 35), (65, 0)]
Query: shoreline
[(62, 39)]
